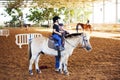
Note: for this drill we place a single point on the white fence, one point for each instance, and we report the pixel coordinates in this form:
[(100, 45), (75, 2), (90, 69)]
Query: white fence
[(4, 32), (23, 39)]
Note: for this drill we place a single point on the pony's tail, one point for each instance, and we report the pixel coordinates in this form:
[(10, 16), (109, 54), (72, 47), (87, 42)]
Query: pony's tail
[(29, 50)]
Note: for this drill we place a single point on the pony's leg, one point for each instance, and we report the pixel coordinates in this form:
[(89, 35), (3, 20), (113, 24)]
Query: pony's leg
[(30, 66), (90, 30), (36, 64), (60, 66), (31, 63), (65, 66)]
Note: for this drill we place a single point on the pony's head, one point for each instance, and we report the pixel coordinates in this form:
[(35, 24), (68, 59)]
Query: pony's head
[(79, 38), (85, 42)]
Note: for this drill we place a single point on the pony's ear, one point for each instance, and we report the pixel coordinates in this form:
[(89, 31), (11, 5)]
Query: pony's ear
[(80, 33), (69, 35), (73, 34)]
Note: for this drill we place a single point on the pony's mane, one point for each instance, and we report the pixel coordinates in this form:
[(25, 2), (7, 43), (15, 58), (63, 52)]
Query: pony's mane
[(80, 24), (73, 34)]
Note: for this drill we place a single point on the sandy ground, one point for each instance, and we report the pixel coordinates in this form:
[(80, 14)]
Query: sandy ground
[(115, 36), (102, 63)]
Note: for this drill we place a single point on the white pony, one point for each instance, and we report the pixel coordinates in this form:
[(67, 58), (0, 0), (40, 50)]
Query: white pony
[(40, 45)]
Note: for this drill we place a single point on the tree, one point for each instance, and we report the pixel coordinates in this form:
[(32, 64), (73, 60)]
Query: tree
[(38, 15), (13, 10), (16, 15), (35, 15), (46, 9)]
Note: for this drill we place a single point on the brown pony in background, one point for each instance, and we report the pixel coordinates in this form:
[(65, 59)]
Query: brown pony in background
[(84, 27)]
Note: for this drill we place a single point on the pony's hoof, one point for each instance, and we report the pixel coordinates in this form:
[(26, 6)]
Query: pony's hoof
[(38, 71), (66, 73), (60, 71), (30, 72)]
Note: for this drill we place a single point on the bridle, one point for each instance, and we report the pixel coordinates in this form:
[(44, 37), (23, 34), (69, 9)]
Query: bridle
[(84, 40)]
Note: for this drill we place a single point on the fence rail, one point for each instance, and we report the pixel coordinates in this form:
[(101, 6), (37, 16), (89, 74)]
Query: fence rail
[(4, 32), (23, 39)]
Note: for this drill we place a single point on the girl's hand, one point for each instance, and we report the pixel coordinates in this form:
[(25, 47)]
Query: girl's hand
[(60, 34)]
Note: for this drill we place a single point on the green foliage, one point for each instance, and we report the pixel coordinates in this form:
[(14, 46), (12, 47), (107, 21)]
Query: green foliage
[(46, 9), (13, 9), (36, 15), (47, 13), (1, 27), (16, 15)]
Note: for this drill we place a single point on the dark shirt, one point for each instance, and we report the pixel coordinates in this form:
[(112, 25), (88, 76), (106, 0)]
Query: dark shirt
[(56, 27)]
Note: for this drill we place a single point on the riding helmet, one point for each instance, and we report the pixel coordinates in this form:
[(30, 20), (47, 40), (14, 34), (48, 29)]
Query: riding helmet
[(55, 18)]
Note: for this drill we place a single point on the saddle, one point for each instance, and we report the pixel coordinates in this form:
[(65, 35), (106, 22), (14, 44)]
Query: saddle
[(52, 43)]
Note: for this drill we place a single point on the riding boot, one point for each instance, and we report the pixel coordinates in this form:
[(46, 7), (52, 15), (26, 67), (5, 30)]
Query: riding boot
[(61, 48)]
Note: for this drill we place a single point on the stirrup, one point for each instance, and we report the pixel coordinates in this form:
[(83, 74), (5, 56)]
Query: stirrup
[(61, 48)]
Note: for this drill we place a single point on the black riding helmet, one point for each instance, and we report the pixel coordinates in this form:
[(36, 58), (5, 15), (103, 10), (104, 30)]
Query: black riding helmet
[(55, 18)]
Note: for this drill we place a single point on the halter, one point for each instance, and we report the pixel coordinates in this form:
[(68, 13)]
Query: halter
[(83, 40)]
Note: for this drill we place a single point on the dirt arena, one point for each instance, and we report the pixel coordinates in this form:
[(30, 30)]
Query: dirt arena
[(102, 63)]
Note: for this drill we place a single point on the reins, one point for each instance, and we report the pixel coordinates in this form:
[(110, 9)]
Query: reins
[(70, 43), (77, 41)]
